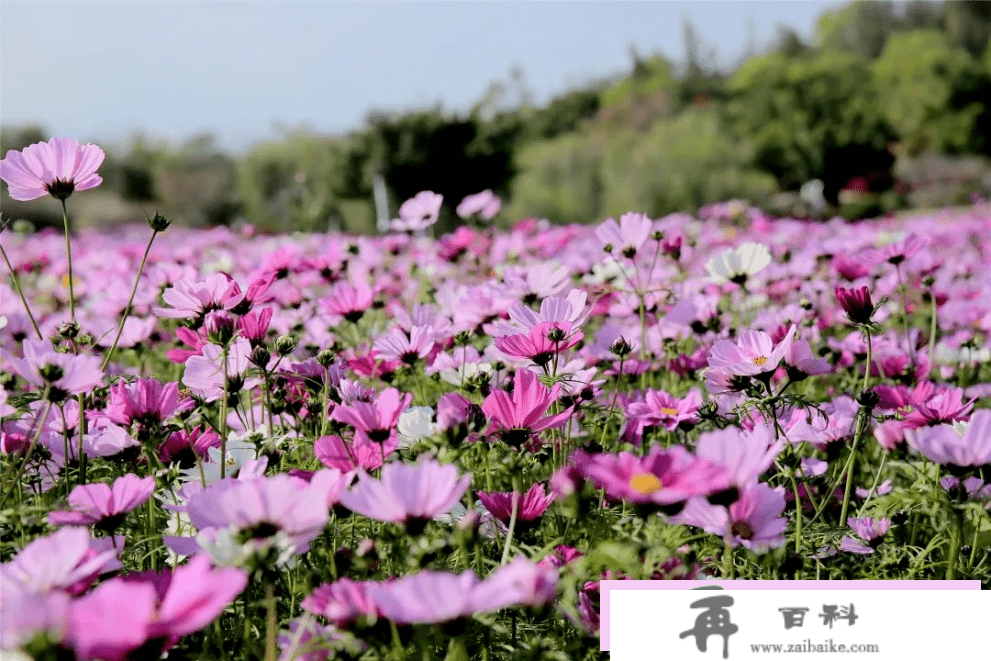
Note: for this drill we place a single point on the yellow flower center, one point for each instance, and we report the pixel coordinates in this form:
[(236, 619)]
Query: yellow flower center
[(667, 410), (645, 483), (760, 360), (65, 280)]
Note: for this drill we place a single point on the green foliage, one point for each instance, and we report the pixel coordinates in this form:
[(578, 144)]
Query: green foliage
[(795, 109), (930, 93)]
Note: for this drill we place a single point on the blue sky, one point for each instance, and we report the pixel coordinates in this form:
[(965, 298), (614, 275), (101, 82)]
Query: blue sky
[(246, 71)]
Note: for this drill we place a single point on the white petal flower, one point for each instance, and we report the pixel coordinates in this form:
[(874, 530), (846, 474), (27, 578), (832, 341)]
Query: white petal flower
[(738, 264), (415, 423)]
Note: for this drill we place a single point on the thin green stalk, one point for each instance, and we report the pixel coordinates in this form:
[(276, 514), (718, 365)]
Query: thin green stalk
[(223, 417), (271, 622), (130, 301), (798, 514), (17, 287), (956, 532), (30, 448), (512, 527), (932, 331), (728, 560), (81, 430), (68, 255), (850, 463), (870, 351)]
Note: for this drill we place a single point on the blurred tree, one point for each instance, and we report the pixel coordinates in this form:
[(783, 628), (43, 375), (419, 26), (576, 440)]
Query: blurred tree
[(861, 27), (968, 23), (934, 95), (803, 114)]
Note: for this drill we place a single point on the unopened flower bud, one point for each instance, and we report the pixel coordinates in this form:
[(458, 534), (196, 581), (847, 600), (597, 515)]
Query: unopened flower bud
[(555, 334), (325, 358), (868, 399), (620, 347), (158, 222), (285, 345), (220, 326), (856, 303), (260, 356), (68, 330)]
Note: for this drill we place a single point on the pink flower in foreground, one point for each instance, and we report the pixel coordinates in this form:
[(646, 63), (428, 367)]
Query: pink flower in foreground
[(945, 444), (377, 420), (407, 493), (744, 454), (57, 168), (542, 343), (427, 597), (346, 456), (102, 505), (349, 300), (485, 205), (397, 345), (661, 409), (193, 595), (68, 559), (522, 582), (516, 417), (192, 299), (112, 620)]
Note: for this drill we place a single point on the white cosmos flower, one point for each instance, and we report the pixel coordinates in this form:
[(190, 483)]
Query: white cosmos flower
[(415, 423), (465, 372), (238, 452), (738, 264), (947, 355)]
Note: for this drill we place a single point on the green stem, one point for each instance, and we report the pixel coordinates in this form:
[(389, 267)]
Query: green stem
[(223, 417), (81, 430), (512, 527), (728, 561), (870, 351), (862, 414), (956, 532), (271, 622), (17, 287), (30, 448), (798, 515), (130, 301), (68, 254)]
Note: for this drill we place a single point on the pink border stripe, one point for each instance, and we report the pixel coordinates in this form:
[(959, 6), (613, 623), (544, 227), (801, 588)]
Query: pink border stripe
[(606, 586)]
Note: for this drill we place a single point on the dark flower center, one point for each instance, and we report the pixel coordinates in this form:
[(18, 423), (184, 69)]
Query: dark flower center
[(742, 530), (60, 188)]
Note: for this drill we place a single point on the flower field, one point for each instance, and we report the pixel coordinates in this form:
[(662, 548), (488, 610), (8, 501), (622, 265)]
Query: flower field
[(223, 445)]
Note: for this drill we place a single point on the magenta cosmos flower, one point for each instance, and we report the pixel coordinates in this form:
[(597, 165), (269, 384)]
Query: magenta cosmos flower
[(102, 505), (542, 343), (57, 168), (665, 477), (347, 456), (515, 417), (375, 421), (148, 401), (871, 531), (856, 303), (342, 602), (411, 494), (661, 409), (528, 508), (111, 621)]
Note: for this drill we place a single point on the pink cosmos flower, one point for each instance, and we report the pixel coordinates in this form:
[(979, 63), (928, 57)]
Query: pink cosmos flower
[(856, 303), (752, 354), (898, 252), (192, 299), (102, 505), (342, 602), (945, 444), (347, 456), (410, 494), (802, 363), (57, 168), (426, 597), (572, 309), (66, 373), (69, 559), (485, 205), (377, 420), (942, 405), (533, 503), (754, 520), (665, 477), (112, 620), (522, 582), (26, 615), (744, 454), (627, 236), (867, 529), (543, 342), (192, 596), (661, 409), (204, 374), (264, 507), (148, 401), (349, 300), (193, 339), (397, 345), (516, 417), (254, 326), (418, 212), (181, 446)]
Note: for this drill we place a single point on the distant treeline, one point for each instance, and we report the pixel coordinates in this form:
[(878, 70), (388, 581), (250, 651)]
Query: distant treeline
[(883, 89)]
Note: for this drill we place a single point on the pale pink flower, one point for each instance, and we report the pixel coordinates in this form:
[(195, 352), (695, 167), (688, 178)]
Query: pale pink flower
[(57, 167), (102, 505), (407, 493), (485, 205)]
